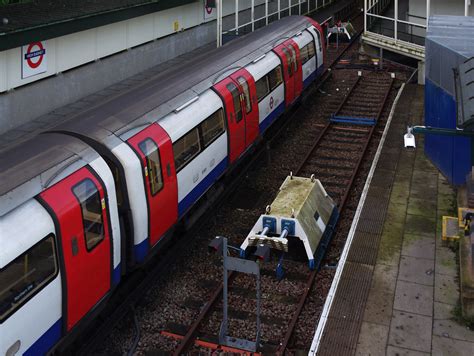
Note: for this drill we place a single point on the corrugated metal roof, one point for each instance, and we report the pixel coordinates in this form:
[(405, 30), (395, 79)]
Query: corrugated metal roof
[(453, 32), (449, 43)]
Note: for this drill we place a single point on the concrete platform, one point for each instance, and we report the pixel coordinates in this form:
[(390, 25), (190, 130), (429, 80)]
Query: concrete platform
[(399, 290)]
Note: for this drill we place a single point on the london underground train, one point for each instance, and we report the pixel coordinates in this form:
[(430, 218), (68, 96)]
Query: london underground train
[(87, 202)]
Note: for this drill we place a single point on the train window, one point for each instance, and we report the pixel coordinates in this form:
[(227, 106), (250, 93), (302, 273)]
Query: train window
[(26, 275), (153, 165), (91, 204), (289, 60), (186, 148), (275, 77), (212, 128), (262, 87), (236, 98), (245, 87), (307, 52)]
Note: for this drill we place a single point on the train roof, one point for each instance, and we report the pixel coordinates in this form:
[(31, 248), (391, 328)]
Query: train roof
[(29, 167), (166, 91)]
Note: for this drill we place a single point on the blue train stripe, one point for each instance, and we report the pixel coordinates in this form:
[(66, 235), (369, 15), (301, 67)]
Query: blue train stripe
[(272, 117), (116, 275), (201, 188), (141, 251), (309, 79), (47, 340)]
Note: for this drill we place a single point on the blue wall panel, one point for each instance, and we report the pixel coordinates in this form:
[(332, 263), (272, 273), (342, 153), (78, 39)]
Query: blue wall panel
[(452, 155)]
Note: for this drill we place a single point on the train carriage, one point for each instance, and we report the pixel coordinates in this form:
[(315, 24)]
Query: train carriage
[(60, 251), (108, 187)]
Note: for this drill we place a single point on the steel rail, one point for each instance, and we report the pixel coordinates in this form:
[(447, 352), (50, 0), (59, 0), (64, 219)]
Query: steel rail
[(312, 277), (131, 290), (189, 338)]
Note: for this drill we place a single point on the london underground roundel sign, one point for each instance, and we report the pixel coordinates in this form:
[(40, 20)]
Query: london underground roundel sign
[(33, 59)]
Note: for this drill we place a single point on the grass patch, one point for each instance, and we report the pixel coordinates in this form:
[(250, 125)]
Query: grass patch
[(457, 314)]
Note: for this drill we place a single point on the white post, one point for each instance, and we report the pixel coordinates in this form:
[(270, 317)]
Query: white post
[(466, 7), (253, 15), (219, 4), (279, 8), (266, 12), (428, 10), (237, 17), (218, 39), (396, 20), (308, 6), (365, 16)]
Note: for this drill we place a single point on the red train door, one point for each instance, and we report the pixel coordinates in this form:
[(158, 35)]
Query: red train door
[(249, 103), (230, 94), (298, 67), (155, 150), (239, 94), (80, 207), (289, 55)]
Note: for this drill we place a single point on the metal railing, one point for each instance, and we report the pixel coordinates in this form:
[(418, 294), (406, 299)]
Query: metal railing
[(393, 28), (283, 8)]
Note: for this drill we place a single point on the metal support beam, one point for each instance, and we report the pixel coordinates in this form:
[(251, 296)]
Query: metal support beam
[(237, 17), (219, 22), (440, 131), (252, 11), (242, 266), (365, 16), (428, 11), (396, 20), (266, 12)]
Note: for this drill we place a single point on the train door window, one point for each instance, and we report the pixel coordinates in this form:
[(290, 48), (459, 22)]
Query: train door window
[(275, 78), (153, 165), (234, 91), (91, 204), (307, 52), (212, 128), (26, 275), (186, 148), (262, 87), (245, 88), (289, 60)]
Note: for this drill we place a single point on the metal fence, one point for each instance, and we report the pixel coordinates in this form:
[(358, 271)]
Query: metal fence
[(261, 15)]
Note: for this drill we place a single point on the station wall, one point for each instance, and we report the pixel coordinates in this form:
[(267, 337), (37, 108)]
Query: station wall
[(85, 62)]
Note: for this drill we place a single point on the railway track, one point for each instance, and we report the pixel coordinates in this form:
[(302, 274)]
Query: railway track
[(181, 336), (336, 166)]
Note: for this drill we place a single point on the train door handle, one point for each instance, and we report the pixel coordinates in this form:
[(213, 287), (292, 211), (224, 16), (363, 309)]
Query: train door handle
[(74, 246), (213, 162), (168, 170), (195, 177), (12, 350)]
